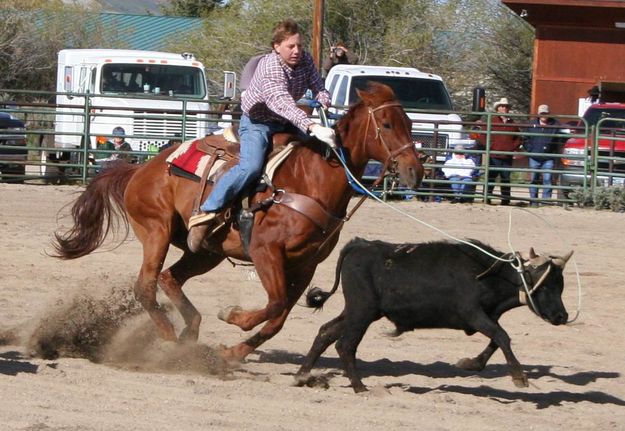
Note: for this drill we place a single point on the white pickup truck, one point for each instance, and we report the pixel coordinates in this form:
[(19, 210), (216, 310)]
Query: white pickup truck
[(423, 95)]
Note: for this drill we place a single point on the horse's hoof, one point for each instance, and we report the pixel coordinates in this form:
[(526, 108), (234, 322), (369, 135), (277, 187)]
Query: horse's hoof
[(225, 313), (229, 356)]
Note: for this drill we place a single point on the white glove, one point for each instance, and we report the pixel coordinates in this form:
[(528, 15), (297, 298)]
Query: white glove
[(324, 134)]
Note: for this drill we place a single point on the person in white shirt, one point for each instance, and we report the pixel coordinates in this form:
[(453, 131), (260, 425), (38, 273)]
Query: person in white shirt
[(459, 169)]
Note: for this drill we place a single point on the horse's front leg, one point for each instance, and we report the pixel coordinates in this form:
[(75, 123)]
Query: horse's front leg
[(269, 265), (297, 283)]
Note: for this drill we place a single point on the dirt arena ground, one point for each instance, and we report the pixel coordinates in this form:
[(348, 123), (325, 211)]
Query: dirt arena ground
[(112, 374)]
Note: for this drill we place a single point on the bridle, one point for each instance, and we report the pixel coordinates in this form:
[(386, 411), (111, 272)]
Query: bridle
[(391, 161)]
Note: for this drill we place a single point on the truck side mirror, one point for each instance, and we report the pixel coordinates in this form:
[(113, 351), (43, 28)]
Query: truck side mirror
[(230, 84)]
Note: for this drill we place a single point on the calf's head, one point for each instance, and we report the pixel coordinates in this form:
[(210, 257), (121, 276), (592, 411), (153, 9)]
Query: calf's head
[(546, 283)]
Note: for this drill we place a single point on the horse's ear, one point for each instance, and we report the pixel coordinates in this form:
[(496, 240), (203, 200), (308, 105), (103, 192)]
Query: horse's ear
[(365, 96)]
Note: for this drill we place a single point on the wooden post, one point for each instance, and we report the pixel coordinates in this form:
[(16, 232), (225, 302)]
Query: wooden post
[(317, 34)]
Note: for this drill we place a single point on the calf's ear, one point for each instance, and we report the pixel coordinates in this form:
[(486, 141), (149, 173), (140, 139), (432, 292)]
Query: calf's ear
[(533, 254)]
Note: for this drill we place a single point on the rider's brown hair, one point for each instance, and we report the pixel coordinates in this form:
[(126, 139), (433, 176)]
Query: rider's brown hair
[(283, 30)]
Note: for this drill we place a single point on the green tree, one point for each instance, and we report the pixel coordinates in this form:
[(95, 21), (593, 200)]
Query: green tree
[(190, 8), (235, 33), (493, 49), (467, 42)]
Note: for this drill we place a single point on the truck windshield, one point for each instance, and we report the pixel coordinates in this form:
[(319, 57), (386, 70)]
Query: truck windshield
[(166, 80), (413, 93), (593, 115)]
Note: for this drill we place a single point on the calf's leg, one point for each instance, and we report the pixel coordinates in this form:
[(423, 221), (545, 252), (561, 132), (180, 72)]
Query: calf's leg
[(499, 337), (356, 324), (328, 334), (479, 362)]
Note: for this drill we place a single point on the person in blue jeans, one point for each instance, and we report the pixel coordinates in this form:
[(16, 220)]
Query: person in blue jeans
[(540, 147), (269, 106)]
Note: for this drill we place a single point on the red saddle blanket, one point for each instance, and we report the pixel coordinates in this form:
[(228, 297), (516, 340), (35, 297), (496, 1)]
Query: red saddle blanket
[(188, 158)]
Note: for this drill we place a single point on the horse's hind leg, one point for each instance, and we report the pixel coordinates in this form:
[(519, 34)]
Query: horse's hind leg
[(171, 281), (145, 289), (154, 233)]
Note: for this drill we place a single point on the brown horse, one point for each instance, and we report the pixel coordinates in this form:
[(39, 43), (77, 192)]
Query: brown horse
[(287, 241)]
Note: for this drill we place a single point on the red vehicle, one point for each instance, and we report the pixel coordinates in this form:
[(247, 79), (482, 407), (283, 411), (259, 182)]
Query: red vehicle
[(607, 162)]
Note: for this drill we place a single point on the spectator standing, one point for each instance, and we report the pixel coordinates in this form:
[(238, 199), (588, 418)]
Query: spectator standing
[(541, 147), (502, 141), (459, 169), (339, 54)]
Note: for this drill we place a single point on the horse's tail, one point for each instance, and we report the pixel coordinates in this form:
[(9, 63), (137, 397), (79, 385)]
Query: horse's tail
[(96, 212), (315, 297)]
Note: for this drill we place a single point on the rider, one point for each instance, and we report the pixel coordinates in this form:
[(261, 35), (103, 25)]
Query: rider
[(268, 104)]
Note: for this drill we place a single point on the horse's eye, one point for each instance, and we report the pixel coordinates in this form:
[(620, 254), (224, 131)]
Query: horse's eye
[(387, 125)]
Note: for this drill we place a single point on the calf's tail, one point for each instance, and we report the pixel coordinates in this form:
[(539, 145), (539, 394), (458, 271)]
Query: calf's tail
[(315, 297)]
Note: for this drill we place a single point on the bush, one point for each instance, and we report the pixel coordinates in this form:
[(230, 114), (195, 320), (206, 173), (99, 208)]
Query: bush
[(603, 198)]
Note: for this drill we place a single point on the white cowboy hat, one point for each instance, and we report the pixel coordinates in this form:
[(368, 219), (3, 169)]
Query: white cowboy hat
[(502, 101)]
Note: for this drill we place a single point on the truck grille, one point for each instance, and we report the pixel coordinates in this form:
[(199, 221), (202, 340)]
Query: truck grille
[(428, 141), (157, 131), (614, 162)]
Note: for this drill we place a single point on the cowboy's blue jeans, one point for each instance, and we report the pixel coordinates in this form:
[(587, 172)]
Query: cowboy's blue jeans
[(541, 164), (254, 138)]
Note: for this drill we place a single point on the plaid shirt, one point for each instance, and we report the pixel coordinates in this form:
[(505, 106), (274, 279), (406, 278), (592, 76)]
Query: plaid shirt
[(276, 86)]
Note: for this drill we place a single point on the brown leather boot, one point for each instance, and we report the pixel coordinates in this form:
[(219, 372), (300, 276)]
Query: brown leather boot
[(200, 225)]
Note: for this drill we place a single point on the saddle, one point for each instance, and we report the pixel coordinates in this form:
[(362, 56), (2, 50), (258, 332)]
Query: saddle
[(207, 159)]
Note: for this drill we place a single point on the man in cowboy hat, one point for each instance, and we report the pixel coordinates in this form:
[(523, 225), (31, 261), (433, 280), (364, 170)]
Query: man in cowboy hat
[(500, 164)]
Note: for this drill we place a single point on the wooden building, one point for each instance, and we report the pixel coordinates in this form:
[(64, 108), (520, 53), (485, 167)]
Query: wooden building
[(579, 44)]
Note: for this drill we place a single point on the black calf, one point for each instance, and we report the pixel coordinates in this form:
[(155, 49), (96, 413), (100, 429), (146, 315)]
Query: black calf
[(434, 285)]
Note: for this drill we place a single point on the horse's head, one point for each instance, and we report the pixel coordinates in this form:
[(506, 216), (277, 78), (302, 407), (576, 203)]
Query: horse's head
[(378, 128)]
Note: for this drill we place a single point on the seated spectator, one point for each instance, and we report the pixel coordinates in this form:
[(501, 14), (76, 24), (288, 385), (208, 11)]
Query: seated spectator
[(121, 147), (459, 169)]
